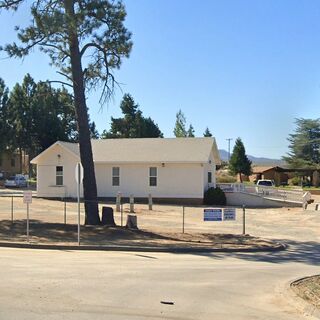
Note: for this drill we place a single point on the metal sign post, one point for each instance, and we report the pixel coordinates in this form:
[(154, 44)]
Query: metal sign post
[(27, 198), (79, 176), (28, 222)]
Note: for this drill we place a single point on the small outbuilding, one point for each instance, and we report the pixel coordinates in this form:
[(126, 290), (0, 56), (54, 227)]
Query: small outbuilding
[(275, 173), (170, 169)]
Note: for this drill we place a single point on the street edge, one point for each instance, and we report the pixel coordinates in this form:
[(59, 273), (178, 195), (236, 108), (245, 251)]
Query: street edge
[(165, 249), (306, 308)]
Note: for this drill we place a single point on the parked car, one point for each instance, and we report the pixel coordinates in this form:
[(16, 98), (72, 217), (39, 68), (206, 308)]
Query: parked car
[(18, 181), (263, 186), (265, 183)]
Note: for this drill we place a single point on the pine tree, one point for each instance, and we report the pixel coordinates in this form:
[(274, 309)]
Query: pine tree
[(304, 144), (180, 125), (4, 128), (132, 124), (190, 132), (239, 162), (87, 41), (207, 133)]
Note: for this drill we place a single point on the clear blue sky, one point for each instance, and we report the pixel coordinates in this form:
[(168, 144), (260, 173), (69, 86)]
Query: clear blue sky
[(243, 68)]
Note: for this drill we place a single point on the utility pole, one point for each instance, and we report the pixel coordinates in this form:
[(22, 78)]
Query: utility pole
[(229, 140)]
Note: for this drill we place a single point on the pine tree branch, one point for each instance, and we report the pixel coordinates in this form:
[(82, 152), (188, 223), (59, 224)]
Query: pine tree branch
[(61, 82), (10, 4)]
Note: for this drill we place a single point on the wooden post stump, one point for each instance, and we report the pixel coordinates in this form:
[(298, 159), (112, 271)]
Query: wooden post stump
[(132, 222), (107, 217)]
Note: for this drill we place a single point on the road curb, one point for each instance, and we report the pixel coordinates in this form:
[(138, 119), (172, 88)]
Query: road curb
[(165, 249), (299, 303)]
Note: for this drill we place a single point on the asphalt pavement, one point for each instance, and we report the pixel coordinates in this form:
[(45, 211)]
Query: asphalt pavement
[(40, 284)]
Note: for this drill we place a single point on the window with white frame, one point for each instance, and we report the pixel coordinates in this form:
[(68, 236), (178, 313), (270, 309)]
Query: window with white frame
[(115, 176), (59, 176), (152, 176), (209, 177)]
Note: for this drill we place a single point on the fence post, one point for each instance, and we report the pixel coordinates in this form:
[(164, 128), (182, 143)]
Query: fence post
[(121, 214), (11, 209), (118, 201), (131, 203), (243, 219), (182, 219), (150, 201), (65, 211)]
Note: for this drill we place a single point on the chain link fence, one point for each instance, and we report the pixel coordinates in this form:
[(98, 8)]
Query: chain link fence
[(57, 220)]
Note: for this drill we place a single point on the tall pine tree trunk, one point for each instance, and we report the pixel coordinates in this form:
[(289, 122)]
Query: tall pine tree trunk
[(20, 160), (89, 179)]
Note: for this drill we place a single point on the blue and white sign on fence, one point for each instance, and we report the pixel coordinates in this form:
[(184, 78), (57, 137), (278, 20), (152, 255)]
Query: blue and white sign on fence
[(212, 214), (229, 214)]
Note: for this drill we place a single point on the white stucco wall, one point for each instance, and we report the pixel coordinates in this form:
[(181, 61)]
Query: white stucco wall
[(46, 173), (209, 167), (255, 201), (173, 181), (177, 180)]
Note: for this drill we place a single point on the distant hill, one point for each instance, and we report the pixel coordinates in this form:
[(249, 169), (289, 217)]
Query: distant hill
[(255, 160)]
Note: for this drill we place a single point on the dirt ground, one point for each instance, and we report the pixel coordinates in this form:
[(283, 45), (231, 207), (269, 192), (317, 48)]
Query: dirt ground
[(308, 289), (164, 224)]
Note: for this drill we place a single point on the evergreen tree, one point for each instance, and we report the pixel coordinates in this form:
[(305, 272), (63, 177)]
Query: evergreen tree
[(207, 133), (132, 124), (180, 125), (53, 117), (94, 131), (304, 144), (20, 116), (4, 128), (190, 132), (87, 41), (239, 162)]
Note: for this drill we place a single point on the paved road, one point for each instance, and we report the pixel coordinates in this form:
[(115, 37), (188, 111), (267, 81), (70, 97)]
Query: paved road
[(39, 284)]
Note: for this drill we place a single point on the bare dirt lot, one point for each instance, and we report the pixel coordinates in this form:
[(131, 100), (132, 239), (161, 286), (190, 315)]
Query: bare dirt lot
[(162, 225)]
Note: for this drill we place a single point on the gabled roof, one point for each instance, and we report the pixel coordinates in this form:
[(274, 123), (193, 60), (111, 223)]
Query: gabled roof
[(261, 169), (70, 147), (142, 150)]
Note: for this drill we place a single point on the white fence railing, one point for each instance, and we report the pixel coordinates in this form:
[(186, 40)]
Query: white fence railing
[(267, 192)]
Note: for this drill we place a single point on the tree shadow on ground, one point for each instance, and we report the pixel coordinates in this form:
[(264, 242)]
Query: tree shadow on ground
[(57, 233), (307, 252)]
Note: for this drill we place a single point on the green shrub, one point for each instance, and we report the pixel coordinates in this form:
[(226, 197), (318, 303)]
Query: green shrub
[(214, 196), (226, 179), (295, 181)]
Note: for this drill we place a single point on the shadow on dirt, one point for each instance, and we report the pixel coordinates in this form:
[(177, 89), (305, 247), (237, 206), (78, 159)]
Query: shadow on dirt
[(67, 234), (307, 252)]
